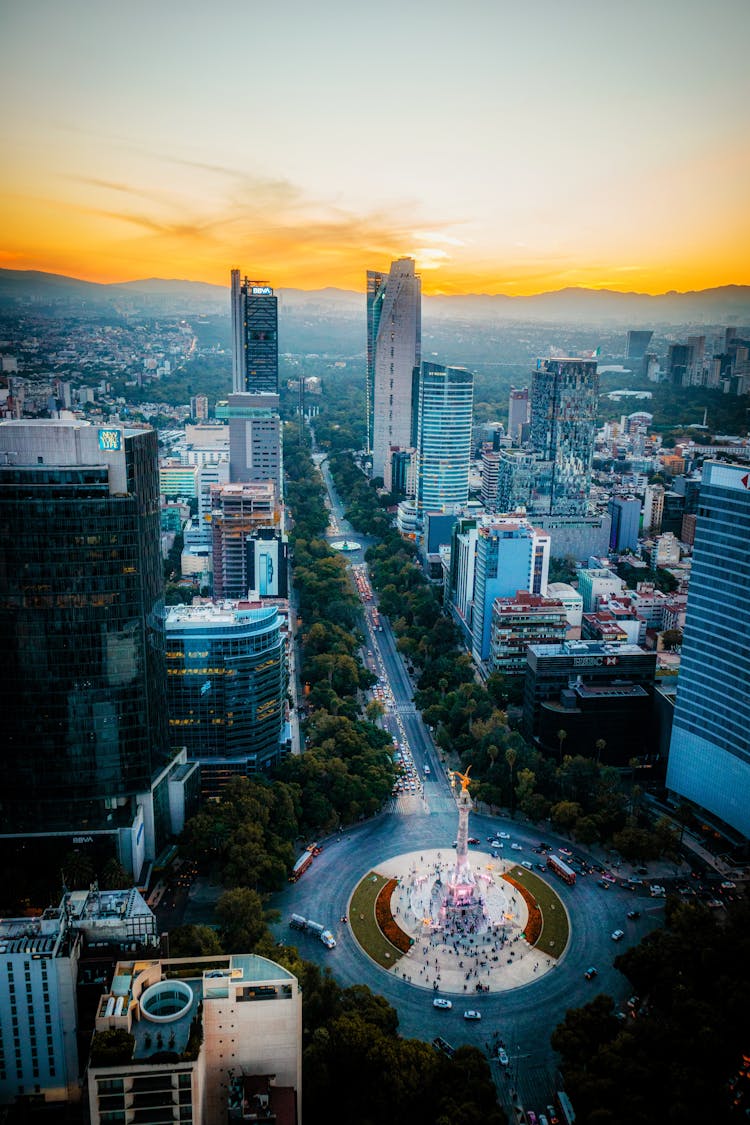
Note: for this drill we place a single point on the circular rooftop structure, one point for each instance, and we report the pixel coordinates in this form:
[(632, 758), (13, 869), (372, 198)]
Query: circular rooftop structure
[(167, 1000)]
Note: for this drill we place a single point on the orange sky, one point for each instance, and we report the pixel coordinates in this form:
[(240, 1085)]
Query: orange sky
[(511, 151)]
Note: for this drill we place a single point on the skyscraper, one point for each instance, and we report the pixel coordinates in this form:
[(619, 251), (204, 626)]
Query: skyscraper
[(518, 413), (709, 757), (394, 346), (443, 401), (253, 407), (564, 399), (255, 343), (227, 687), (637, 343), (81, 605)]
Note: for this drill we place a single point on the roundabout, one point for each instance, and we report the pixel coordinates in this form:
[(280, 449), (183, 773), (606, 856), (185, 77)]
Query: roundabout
[(396, 918)]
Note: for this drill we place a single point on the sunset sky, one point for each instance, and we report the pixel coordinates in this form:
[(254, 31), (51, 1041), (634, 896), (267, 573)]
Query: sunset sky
[(510, 147)]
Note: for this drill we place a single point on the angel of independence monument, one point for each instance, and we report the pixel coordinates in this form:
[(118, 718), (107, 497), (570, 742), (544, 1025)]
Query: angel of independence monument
[(461, 905)]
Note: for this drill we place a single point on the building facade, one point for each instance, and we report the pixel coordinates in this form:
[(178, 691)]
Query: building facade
[(564, 400), (226, 674), (444, 402), (709, 757), (238, 511), (81, 602), (527, 619), (511, 555), (625, 512), (519, 414), (490, 473), (255, 332), (255, 439), (394, 349)]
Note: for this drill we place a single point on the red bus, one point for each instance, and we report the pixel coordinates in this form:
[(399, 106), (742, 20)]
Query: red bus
[(560, 868)]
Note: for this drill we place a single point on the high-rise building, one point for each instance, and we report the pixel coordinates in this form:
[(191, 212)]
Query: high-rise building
[(637, 343), (443, 400), (564, 399), (237, 512), (490, 475), (255, 439), (709, 757), (226, 675), (653, 509), (523, 620), (626, 520), (519, 413), (255, 343), (511, 555), (394, 347), (200, 1027), (83, 689), (516, 477)]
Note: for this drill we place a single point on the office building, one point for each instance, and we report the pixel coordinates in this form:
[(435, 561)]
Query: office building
[(564, 399), (226, 676), (196, 1027), (709, 757), (519, 414), (511, 555), (459, 589), (516, 476), (653, 509), (592, 690), (490, 473), (625, 513), (199, 408), (665, 551), (520, 621), (573, 603), (595, 583), (255, 344), (84, 733), (637, 344), (38, 1003), (176, 479), (443, 400), (255, 439), (394, 345), (237, 512)]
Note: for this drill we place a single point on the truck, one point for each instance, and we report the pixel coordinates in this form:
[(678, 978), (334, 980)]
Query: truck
[(561, 869), (298, 922), (304, 862)]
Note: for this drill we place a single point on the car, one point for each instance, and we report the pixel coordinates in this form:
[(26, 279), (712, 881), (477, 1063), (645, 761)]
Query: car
[(633, 914), (565, 851), (728, 885), (591, 972), (657, 891), (529, 866), (472, 1014), (531, 1117), (604, 884), (517, 847), (445, 1048), (552, 1114), (497, 845), (438, 1002), (472, 840), (618, 935), (503, 835), (543, 1119), (540, 867), (634, 1001), (502, 1057)]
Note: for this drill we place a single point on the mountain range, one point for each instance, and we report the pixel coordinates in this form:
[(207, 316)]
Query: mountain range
[(24, 289)]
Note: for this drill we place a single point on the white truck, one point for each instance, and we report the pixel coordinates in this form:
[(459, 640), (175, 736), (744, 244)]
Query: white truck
[(297, 922)]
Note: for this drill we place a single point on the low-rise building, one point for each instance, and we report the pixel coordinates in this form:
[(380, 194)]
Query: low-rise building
[(597, 583), (188, 1028)]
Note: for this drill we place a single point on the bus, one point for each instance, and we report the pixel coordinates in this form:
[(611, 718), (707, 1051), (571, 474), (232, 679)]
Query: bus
[(561, 869), (564, 1108)]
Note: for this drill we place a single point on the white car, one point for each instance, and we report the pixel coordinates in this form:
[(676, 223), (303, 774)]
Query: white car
[(516, 847), (496, 844), (503, 835), (440, 1003), (502, 1057), (472, 1014), (618, 935)]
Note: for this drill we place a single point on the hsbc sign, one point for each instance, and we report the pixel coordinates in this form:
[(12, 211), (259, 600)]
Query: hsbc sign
[(595, 661)]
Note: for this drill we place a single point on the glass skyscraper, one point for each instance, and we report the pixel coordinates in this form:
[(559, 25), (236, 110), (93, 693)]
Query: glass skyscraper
[(394, 346), (226, 675), (255, 337), (709, 756), (443, 404), (83, 688), (564, 399)]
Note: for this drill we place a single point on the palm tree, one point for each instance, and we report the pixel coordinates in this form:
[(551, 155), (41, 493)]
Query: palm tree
[(601, 746), (511, 757), (561, 736), (492, 753)]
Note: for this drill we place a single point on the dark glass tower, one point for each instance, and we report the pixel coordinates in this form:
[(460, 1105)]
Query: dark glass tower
[(709, 755), (564, 399), (81, 610), (255, 337)]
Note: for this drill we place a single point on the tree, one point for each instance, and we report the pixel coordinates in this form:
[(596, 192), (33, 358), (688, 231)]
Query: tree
[(114, 876), (601, 746), (194, 941), (511, 757), (561, 736), (565, 814), (671, 639), (78, 870), (243, 923)]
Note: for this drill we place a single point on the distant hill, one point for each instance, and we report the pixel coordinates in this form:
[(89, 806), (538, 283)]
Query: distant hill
[(728, 304)]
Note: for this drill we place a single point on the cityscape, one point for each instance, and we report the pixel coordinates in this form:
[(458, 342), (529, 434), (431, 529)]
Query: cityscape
[(373, 564)]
